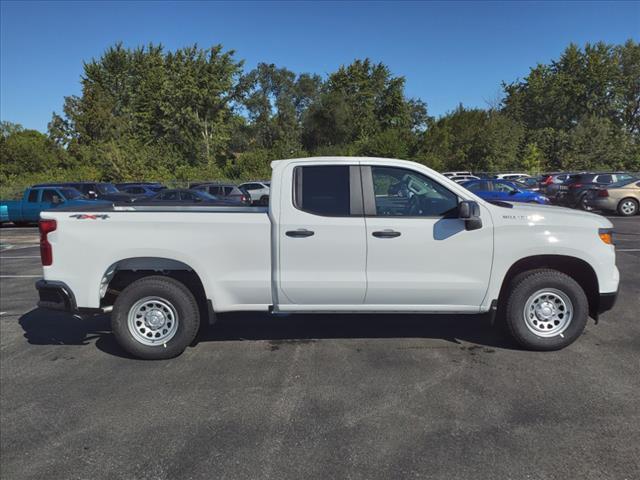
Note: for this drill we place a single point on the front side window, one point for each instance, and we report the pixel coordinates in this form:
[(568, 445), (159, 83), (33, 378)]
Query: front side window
[(47, 195), (71, 194), (169, 196), (503, 187), (106, 188), (323, 190), (401, 192)]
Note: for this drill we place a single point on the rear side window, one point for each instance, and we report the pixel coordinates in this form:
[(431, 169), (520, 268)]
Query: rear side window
[(323, 190), (33, 196), (474, 186), (604, 179)]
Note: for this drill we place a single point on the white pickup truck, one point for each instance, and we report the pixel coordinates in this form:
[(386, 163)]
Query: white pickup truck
[(341, 234)]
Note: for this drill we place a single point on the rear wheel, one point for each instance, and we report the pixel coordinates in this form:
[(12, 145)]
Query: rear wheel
[(155, 317), (545, 310), (264, 200), (628, 207), (582, 203)]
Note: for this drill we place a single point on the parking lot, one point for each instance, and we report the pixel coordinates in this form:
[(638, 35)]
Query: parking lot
[(335, 396)]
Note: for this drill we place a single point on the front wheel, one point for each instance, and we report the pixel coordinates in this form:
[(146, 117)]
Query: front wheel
[(628, 207), (155, 317), (546, 310)]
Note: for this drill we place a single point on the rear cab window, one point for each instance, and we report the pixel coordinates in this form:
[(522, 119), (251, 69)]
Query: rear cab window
[(323, 190)]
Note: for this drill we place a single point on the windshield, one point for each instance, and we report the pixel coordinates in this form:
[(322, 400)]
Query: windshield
[(106, 188), (71, 194)]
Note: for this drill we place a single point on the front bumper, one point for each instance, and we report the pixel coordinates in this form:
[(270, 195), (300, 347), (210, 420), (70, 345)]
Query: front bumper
[(56, 296)]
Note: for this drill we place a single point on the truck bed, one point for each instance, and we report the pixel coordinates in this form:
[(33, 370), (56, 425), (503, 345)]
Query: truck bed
[(229, 248)]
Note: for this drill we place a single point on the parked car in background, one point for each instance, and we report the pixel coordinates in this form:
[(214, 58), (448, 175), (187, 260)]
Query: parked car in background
[(259, 192), (527, 183), (494, 190), (4, 213), (94, 190), (573, 192), (141, 189), (226, 191), (180, 196), (456, 174), (622, 197), (463, 178), (156, 185), (510, 176), (37, 199)]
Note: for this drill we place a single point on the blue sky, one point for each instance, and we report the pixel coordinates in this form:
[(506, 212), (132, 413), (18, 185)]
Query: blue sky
[(448, 52)]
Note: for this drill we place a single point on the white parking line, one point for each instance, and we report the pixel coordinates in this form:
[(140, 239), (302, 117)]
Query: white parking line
[(20, 256), (627, 249)]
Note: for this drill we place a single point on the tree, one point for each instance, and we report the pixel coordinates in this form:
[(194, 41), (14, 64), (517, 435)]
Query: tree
[(28, 151)]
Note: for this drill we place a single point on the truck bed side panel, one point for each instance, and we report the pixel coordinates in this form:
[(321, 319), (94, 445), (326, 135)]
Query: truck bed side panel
[(230, 252)]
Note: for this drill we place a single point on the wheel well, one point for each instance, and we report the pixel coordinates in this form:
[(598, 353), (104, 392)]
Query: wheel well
[(574, 267), (123, 273)]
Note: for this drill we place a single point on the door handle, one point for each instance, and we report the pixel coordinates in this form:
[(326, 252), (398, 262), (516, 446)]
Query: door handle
[(300, 233), (386, 234)]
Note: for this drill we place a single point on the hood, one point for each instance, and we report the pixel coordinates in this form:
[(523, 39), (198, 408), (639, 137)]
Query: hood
[(553, 214)]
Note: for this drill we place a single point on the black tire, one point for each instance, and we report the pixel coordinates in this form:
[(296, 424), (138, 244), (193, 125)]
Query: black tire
[(633, 203), (264, 200), (173, 292), (582, 203), (523, 287)]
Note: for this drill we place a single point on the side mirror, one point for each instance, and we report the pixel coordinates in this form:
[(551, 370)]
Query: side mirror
[(469, 211), (91, 194), (513, 192), (56, 200)]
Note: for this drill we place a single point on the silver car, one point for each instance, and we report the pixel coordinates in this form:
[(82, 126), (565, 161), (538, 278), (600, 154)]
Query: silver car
[(622, 197)]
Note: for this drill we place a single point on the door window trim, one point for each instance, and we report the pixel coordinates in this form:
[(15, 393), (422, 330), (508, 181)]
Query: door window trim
[(355, 190), (369, 195)]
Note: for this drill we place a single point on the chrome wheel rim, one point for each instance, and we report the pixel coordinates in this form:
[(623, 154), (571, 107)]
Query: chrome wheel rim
[(628, 207), (548, 312), (153, 321)]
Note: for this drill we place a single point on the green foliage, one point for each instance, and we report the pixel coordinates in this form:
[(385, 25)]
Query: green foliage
[(582, 110), (192, 114)]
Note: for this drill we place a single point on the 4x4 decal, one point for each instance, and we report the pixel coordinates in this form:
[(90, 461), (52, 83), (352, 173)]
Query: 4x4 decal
[(86, 216)]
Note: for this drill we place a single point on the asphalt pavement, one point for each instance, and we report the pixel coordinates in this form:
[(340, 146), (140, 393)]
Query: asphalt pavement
[(333, 396)]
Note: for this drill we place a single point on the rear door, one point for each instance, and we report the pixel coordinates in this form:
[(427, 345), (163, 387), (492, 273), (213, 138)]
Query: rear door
[(419, 254), (321, 237)]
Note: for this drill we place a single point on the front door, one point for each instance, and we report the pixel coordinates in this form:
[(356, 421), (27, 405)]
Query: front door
[(321, 238), (419, 254)]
